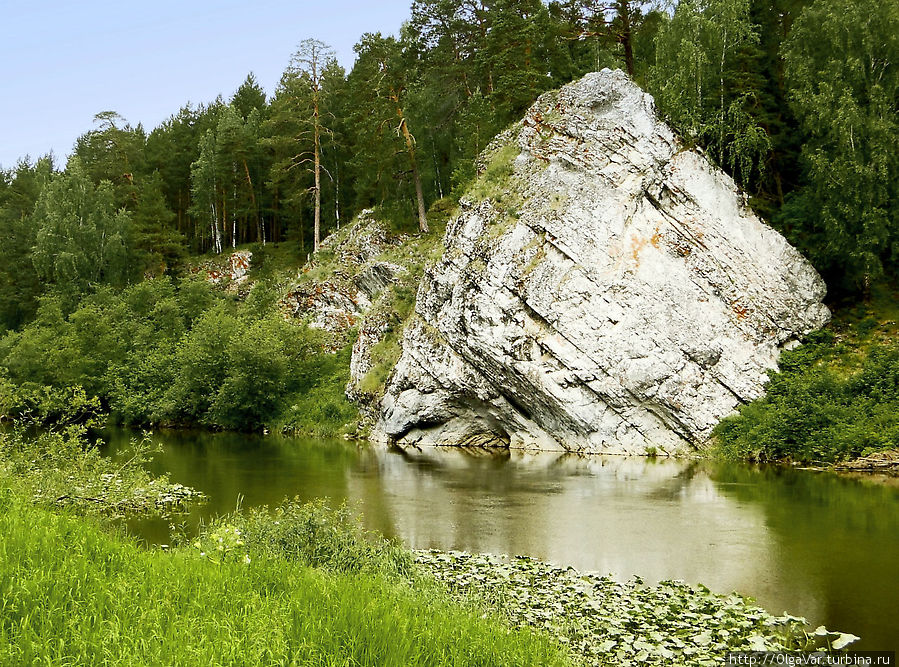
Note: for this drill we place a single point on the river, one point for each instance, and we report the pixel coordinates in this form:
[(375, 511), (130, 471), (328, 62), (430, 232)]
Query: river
[(813, 544)]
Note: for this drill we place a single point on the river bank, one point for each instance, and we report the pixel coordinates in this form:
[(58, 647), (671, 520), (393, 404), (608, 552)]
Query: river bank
[(74, 594)]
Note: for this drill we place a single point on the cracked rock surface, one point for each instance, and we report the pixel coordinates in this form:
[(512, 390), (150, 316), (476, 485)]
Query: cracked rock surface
[(612, 292)]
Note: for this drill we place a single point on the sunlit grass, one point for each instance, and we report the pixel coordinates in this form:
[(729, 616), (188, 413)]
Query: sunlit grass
[(70, 593)]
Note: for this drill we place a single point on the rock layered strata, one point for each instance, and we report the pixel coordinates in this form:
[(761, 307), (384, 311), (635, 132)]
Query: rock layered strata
[(604, 289)]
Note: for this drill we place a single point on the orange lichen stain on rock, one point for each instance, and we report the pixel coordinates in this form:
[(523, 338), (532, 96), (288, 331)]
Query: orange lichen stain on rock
[(740, 310), (638, 244)]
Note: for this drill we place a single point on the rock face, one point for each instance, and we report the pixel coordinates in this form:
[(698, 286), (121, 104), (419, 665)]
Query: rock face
[(233, 270), (339, 302), (605, 289)]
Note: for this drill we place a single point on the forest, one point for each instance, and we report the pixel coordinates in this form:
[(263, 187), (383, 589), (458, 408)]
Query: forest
[(797, 100)]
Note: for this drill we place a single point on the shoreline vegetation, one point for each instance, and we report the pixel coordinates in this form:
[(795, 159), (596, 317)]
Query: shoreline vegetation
[(75, 594), (834, 402)]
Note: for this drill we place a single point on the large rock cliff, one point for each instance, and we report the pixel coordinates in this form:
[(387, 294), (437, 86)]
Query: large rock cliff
[(604, 289)]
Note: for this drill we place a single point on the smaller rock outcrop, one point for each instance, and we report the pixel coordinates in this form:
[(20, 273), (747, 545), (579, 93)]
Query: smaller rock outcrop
[(351, 283), (231, 271), (337, 302)]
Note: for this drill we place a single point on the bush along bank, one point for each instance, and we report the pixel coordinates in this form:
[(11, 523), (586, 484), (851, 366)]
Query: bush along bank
[(60, 466), (184, 354), (834, 399)]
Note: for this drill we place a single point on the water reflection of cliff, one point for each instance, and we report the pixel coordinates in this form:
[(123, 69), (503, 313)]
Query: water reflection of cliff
[(660, 519)]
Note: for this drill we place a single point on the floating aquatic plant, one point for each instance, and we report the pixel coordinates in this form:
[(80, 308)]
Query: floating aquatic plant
[(607, 622)]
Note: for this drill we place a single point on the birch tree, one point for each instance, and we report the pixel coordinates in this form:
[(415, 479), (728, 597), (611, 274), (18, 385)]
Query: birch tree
[(204, 189), (81, 239), (841, 69), (694, 81)]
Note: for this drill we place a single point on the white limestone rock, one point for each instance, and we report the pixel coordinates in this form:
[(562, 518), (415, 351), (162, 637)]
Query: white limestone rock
[(612, 292)]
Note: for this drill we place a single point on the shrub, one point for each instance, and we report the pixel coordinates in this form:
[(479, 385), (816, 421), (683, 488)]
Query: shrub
[(817, 411), (313, 534)]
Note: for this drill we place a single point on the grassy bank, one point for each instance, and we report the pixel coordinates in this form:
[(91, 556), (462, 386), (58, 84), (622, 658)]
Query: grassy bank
[(74, 594), (834, 399)]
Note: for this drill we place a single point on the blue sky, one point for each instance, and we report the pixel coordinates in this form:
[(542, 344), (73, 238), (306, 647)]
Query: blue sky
[(66, 61)]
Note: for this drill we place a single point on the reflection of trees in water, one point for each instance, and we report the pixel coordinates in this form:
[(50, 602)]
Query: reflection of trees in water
[(840, 532), (254, 469), (805, 501), (496, 471)]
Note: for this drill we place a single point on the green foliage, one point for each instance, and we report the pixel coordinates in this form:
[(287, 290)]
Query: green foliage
[(840, 64), (112, 152), (476, 125), (384, 354), (158, 245), (42, 405), (260, 363), (517, 54), (317, 536), (696, 82), (500, 168), (202, 359), (73, 594), (248, 97), (171, 149), (48, 456), (223, 544), (81, 240), (19, 284), (830, 402), (160, 353), (317, 405)]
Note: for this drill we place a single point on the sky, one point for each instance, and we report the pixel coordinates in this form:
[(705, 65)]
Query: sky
[(65, 61)]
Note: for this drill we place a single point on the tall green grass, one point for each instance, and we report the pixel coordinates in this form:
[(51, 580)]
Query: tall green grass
[(72, 594)]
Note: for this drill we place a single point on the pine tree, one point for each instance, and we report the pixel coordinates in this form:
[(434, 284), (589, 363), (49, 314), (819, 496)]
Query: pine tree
[(379, 81), (309, 64), (248, 97)]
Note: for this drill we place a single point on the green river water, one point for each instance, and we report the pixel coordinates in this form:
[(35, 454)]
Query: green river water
[(813, 544)]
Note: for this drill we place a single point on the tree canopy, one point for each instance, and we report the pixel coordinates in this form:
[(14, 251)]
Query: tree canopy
[(796, 99)]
